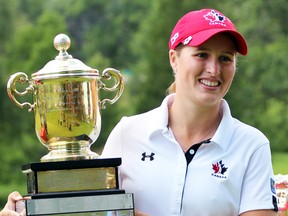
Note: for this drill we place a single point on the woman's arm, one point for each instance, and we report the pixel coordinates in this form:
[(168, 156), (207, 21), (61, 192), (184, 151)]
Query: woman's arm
[(260, 213)]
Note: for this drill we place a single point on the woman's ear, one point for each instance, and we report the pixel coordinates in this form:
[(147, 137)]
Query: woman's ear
[(172, 58)]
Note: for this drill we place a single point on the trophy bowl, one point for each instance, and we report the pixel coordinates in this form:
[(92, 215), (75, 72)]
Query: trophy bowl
[(66, 103)]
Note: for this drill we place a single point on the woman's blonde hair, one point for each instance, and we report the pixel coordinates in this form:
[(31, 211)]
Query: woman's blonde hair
[(171, 89)]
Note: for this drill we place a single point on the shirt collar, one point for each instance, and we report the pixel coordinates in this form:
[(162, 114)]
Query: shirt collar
[(225, 130), (160, 115), (222, 136)]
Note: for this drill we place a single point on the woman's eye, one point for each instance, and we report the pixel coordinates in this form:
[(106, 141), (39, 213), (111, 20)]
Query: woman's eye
[(225, 59), (202, 55)]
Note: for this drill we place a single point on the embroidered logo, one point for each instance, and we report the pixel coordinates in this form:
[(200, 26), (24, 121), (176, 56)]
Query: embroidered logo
[(187, 40), (144, 156), (215, 18), (174, 38), (273, 188), (219, 169)]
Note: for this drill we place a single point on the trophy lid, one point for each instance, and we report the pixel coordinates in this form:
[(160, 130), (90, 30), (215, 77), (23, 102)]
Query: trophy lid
[(64, 65)]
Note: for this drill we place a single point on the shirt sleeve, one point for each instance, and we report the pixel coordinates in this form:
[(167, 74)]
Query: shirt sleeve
[(113, 146), (258, 188)]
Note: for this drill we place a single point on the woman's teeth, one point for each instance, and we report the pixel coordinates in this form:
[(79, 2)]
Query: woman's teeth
[(209, 83)]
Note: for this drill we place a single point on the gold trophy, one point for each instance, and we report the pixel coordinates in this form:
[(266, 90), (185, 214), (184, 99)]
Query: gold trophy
[(70, 179)]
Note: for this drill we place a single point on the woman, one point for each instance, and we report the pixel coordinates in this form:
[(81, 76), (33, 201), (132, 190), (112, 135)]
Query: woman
[(190, 156)]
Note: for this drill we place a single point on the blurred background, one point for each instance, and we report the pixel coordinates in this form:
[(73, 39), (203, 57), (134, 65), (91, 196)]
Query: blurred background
[(132, 36)]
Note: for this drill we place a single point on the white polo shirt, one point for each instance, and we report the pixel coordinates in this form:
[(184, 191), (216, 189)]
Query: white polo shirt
[(227, 176)]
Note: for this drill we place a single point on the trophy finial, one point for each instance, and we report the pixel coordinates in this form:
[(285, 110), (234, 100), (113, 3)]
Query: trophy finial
[(62, 43)]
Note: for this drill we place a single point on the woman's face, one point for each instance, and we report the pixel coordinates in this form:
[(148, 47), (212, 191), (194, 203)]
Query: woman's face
[(204, 74)]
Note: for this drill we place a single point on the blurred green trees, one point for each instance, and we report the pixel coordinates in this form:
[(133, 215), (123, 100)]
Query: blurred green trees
[(132, 36)]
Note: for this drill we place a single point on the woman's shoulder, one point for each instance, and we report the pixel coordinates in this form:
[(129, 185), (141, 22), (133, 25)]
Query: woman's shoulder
[(249, 132), (141, 118)]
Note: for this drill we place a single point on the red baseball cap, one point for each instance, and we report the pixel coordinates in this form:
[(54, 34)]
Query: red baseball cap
[(196, 27)]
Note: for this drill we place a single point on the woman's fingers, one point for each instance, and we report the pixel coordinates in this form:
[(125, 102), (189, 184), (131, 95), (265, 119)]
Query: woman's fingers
[(138, 213)]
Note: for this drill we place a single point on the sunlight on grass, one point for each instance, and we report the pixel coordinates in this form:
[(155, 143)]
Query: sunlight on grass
[(280, 162)]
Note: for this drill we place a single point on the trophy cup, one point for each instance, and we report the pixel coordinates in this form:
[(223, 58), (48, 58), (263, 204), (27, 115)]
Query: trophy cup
[(70, 179)]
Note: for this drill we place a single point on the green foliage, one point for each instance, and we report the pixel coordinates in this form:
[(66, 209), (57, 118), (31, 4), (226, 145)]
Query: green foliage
[(261, 81), (273, 109), (151, 49), (280, 161), (7, 20)]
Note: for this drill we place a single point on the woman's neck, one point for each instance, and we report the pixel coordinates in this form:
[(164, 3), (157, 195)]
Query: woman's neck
[(194, 124)]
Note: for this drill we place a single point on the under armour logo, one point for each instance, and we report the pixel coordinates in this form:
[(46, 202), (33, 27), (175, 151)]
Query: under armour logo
[(151, 156)]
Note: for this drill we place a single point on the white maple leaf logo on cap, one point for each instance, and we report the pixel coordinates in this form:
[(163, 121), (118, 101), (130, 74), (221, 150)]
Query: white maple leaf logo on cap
[(215, 18)]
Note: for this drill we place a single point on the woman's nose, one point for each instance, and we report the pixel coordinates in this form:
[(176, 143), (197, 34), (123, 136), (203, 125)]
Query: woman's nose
[(214, 67)]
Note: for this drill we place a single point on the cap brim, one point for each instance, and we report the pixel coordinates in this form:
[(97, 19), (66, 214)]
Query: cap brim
[(201, 37)]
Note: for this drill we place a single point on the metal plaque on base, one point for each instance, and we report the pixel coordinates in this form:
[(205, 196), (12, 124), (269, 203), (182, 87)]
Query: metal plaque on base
[(63, 176), (70, 179)]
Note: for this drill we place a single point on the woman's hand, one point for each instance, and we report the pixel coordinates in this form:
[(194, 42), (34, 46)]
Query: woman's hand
[(138, 213), (10, 207)]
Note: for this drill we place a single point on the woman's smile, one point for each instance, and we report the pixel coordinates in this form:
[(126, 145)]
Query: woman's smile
[(209, 83)]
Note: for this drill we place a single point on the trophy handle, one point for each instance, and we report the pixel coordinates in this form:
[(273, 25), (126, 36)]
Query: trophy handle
[(118, 85), (21, 78)]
